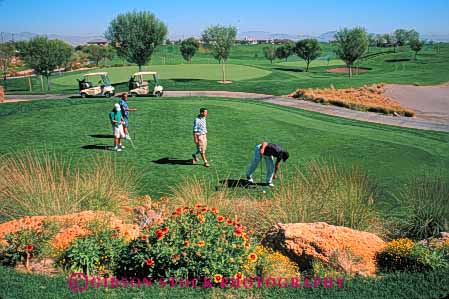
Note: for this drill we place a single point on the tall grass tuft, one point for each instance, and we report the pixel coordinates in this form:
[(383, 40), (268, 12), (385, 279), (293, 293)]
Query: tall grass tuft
[(49, 184), (320, 192), (427, 200), (324, 192)]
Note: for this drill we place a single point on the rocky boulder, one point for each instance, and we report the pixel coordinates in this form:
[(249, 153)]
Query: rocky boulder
[(343, 248)]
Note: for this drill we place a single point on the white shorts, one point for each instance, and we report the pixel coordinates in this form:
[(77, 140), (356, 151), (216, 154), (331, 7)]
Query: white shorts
[(118, 132)]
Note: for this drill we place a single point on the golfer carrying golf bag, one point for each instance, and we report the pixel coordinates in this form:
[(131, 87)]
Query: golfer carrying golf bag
[(268, 151)]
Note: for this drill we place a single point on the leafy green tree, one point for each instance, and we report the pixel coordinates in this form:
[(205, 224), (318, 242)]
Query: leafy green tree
[(416, 45), (135, 36), (7, 52), (188, 48), (220, 39), (401, 36), (270, 53), (308, 49), (98, 53), (412, 35), (351, 45), (44, 55), (372, 40), (285, 51)]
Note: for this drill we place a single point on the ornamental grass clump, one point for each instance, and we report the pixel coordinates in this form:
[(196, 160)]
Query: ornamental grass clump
[(193, 243)]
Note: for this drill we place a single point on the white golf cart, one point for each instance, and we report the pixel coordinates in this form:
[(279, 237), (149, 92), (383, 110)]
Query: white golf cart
[(103, 88), (137, 86)]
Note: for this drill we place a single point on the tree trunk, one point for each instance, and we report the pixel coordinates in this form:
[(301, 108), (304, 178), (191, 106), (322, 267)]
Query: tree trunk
[(140, 67), (307, 66), (48, 82), (414, 58), (223, 70), (29, 83), (42, 83), (350, 71)]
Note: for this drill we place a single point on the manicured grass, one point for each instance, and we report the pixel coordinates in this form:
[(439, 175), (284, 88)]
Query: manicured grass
[(400, 285), (180, 71), (253, 73), (163, 128)]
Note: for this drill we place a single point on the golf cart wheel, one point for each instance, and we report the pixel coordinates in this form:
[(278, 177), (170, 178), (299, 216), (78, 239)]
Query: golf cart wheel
[(133, 94), (108, 94), (83, 95), (158, 94)]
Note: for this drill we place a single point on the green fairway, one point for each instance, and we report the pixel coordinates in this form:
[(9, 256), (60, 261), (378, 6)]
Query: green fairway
[(180, 71), (162, 128), (251, 72)]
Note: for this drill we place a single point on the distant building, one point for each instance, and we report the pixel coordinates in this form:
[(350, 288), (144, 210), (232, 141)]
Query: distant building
[(98, 42)]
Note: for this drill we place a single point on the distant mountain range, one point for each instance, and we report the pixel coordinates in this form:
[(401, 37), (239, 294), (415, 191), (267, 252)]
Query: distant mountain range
[(75, 40)]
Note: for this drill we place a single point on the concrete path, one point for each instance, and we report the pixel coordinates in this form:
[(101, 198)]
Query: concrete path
[(421, 121)]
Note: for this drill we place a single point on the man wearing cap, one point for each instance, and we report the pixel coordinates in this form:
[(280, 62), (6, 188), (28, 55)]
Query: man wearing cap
[(268, 151), (125, 112), (117, 121)]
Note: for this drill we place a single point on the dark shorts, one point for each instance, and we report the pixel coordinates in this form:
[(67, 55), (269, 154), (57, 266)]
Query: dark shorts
[(126, 121)]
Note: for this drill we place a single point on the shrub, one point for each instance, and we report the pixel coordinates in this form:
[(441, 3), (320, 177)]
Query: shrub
[(47, 184), (406, 255), (26, 244), (270, 264), (96, 253), (192, 243), (427, 201)]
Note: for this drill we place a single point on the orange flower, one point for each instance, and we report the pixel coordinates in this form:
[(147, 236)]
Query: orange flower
[(143, 238), (220, 218), (198, 206), (159, 234), (204, 210), (178, 211), (165, 230), (228, 221), (149, 262), (217, 278), (238, 275), (252, 257), (186, 208), (214, 210), (186, 243), (200, 218), (238, 232), (201, 243), (246, 245), (244, 236), (29, 248)]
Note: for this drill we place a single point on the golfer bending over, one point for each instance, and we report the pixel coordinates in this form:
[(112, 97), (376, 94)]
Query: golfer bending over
[(125, 112), (117, 125), (268, 151), (200, 137)]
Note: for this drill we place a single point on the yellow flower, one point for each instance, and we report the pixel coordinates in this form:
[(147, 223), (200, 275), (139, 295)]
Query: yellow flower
[(217, 278), (252, 257)]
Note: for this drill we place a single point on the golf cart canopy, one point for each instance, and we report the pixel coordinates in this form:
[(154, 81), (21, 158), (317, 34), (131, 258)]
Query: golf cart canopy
[(144, 73), (96, 74)]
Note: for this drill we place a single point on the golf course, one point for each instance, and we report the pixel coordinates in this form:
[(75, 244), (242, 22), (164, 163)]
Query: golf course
[(78, 130), (290, 152)]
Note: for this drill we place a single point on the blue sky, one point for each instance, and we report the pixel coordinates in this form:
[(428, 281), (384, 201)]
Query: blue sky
[(186, 18)]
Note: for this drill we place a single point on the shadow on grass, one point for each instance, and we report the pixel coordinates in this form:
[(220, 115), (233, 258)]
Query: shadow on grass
[(172, 161), (184, 80), (102, 136), (294, 70), (240, 183), (97, 147)]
